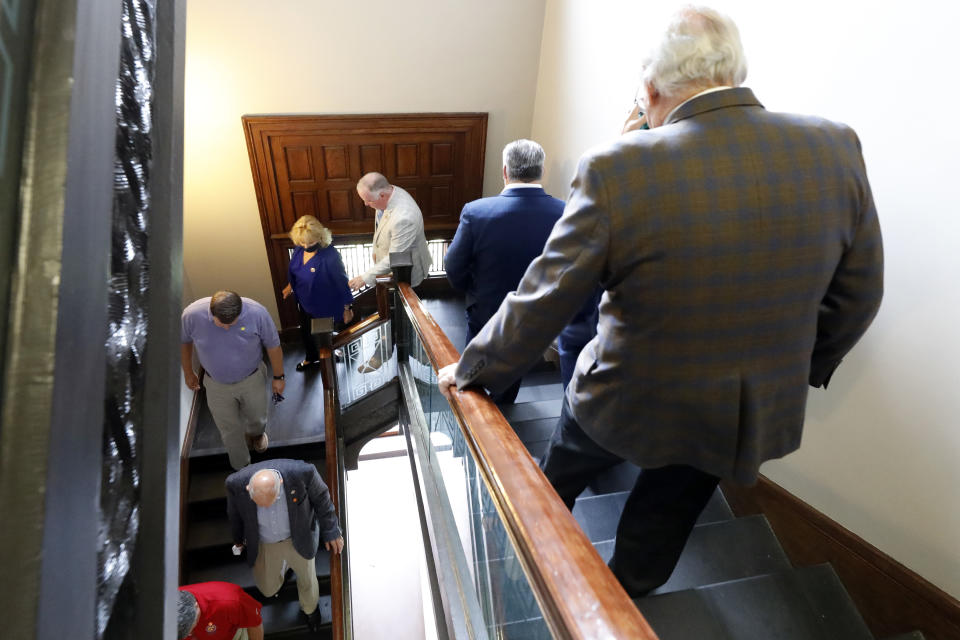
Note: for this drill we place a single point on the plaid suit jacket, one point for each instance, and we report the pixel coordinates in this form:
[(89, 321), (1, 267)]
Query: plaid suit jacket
[(740, 255)]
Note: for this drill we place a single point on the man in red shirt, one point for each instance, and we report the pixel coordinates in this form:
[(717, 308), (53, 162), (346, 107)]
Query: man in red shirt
[(217, 611)]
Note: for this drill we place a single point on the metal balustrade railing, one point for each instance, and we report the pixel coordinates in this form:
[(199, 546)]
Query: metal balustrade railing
[(357, 258)]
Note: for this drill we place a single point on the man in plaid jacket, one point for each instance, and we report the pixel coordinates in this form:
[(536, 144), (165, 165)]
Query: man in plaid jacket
[(741, 259)]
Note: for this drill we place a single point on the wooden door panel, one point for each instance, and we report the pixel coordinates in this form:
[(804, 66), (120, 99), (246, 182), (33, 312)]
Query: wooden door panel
[(310, 165)]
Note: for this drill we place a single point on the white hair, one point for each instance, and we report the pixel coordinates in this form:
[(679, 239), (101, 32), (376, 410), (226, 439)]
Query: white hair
[(700, 49)]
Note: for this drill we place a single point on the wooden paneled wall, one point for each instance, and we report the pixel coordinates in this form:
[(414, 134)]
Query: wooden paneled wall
[(310, 165)]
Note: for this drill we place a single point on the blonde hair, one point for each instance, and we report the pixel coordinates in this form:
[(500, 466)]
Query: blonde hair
[(308, 230)]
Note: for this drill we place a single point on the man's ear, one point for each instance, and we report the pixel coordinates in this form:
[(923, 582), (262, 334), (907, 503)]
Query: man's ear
[(652, 94)]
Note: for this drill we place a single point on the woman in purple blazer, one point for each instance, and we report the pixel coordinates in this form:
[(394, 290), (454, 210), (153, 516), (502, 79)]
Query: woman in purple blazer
[(317, 279)]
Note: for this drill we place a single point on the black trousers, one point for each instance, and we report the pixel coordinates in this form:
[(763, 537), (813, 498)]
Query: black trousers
[(311, 353), (660, 512)]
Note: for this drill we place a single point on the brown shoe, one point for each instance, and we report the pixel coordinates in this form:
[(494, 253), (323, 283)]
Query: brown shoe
[(260, 443), (370, 365)]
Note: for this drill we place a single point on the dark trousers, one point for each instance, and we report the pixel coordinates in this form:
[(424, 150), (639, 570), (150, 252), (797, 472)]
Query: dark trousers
[(310, 351), (508, 395), (660, 512)]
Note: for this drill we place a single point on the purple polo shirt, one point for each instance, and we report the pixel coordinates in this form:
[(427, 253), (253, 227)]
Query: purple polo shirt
[(232, 354)]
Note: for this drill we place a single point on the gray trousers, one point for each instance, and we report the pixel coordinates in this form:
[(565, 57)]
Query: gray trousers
[(239, 410)]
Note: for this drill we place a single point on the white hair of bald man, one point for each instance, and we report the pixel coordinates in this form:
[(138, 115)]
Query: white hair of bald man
[(700, 49), (277, 483)]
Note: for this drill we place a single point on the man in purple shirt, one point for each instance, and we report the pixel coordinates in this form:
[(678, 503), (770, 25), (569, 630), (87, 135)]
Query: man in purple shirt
[(229, 334)]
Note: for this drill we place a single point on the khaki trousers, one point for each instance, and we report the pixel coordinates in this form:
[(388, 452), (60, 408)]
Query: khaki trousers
[(239, 409), (273, 558)]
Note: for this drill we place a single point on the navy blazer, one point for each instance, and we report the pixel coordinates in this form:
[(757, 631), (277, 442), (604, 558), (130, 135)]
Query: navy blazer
[(320, 285), (312, 516), (496, 241)]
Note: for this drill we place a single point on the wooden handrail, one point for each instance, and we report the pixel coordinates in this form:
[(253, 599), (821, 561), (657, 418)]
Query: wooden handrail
[(579, 596), (371, 322), (185, 448), (366, 325), (333, 484)]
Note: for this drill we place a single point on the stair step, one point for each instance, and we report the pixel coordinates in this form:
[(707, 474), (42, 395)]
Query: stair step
[(617, 478), (717, 509), (204, 534), (538, 430), (283, 621), (537, 392), (531, 410), (799, 604), (727, 550), (210, 485), (598, 515), (240, 573)]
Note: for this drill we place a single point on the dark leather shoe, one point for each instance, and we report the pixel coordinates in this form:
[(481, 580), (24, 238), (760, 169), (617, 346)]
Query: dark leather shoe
[(302, 366), (313, 620), (258, 443)]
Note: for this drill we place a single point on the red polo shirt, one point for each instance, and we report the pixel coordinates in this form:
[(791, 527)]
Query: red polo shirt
[(224, 608)]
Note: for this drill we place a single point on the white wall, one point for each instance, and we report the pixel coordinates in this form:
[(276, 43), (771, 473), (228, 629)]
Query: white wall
[(881, 447), (322, 56)]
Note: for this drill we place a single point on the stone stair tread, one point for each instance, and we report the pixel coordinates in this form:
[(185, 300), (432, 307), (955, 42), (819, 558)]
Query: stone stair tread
[(798, 604), (717, 509), (240, 573), (598, 515), (531, 410), (536, 392), (214, 532), (208, 485), (537, 430), (727, 550), (715, 552), (282, 620)]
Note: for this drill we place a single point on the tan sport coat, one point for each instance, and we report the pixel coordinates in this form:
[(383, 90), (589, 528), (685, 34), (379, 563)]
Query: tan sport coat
[(741, 258), (400, 229)]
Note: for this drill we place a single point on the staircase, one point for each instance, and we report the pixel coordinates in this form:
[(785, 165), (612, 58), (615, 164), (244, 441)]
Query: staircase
[(207, 552), (733, 581)]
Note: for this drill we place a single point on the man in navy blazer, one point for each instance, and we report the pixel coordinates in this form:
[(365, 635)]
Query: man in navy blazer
[(499, 237), (280, 510)]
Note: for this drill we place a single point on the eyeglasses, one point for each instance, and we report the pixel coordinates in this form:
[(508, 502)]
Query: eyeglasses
[(639, 98)]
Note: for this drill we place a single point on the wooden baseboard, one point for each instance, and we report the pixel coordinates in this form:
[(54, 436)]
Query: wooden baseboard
[(891, 598)]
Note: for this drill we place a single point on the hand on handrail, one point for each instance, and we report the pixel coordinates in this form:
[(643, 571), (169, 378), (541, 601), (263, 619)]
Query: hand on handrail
[(447, 379), (334, 546)]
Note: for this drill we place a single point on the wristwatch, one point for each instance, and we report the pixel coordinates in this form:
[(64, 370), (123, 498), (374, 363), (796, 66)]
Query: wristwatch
[(279, 377)]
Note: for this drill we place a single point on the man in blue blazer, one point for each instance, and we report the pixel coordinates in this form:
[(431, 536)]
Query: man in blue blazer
[(280, 510), (499, 237), (741, 259)]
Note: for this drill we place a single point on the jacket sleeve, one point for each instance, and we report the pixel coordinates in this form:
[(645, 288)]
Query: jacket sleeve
[(554, 287), (457, 259), (322, 506), (853, 297), (338, 278)]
